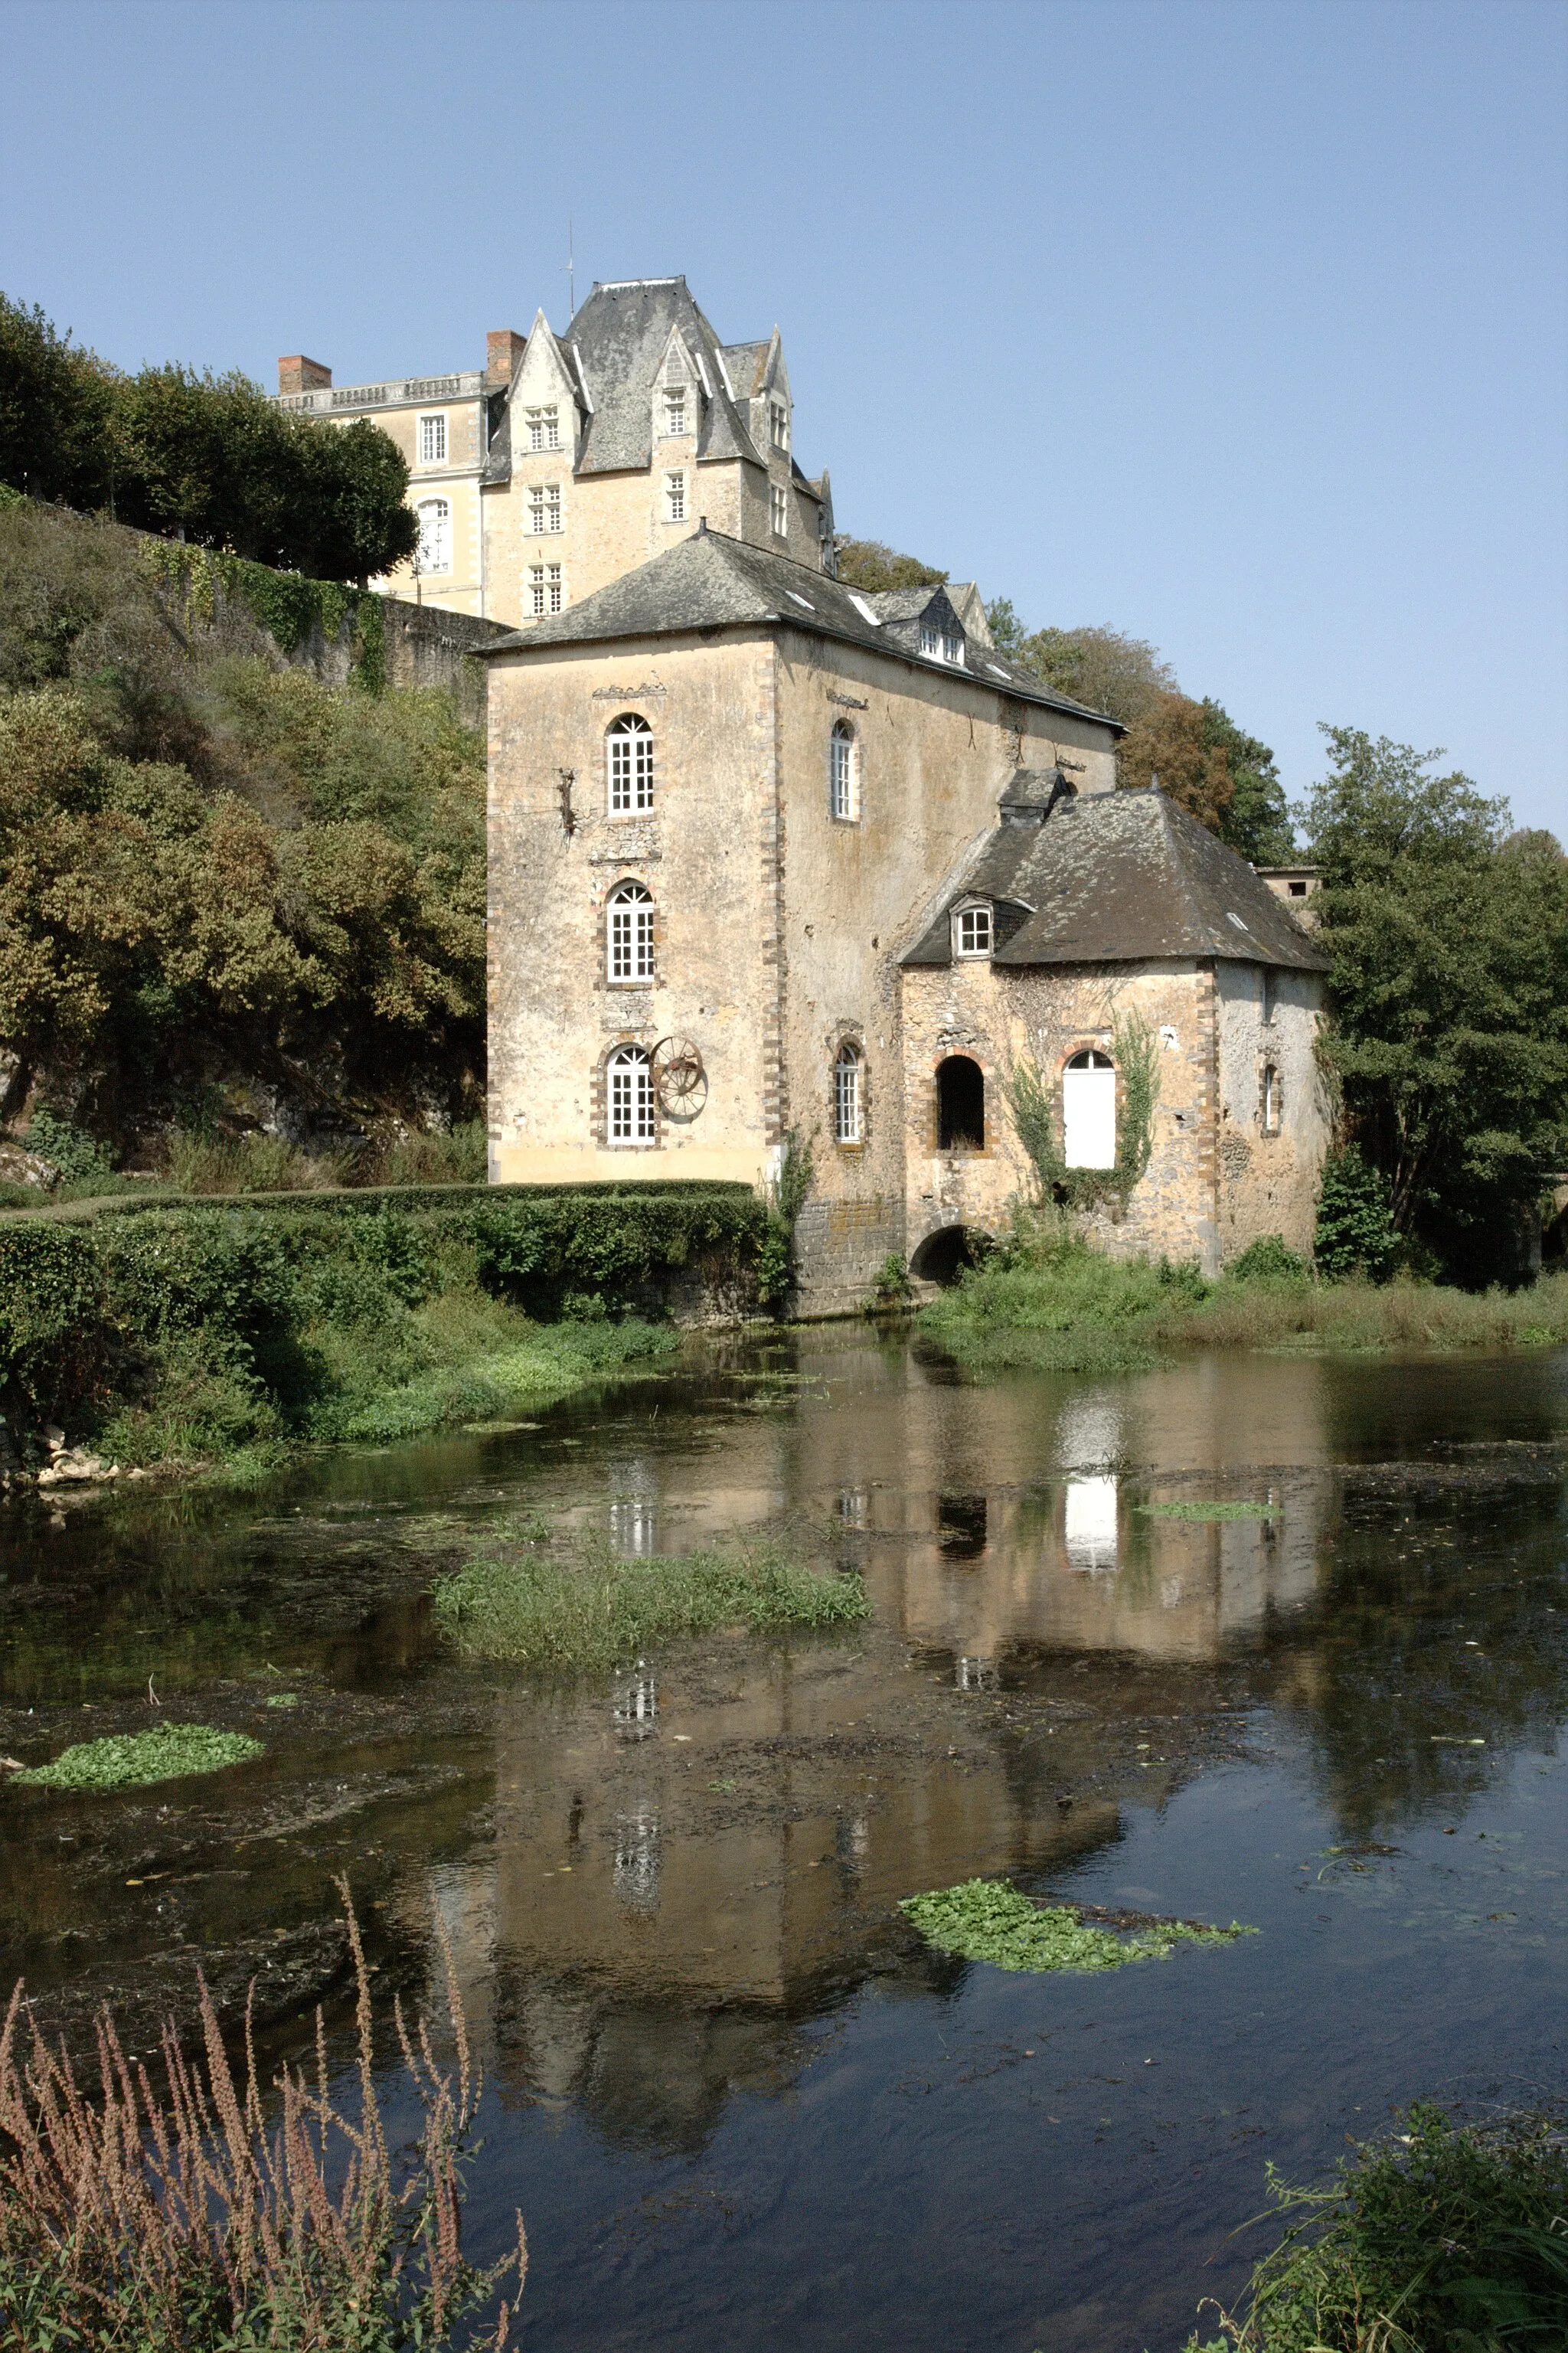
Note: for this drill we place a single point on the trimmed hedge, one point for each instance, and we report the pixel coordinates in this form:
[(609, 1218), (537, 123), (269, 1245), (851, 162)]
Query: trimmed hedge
[(100, 1299)]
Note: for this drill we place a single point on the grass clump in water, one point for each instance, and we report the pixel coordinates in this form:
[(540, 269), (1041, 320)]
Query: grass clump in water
[(1208, 1509), (984, 1920), (124, 1760), (1447, 2239), (1046, 1301), (595, 1610)]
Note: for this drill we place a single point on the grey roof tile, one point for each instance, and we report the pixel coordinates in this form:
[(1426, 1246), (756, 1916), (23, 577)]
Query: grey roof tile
[(1119, 877), (709, 581), (622, 331)]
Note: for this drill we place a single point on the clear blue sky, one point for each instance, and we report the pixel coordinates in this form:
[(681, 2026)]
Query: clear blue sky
[(1240, 327)]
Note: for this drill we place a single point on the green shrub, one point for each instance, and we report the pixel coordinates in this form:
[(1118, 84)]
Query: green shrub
[(1447, 2239), (1269, 1258), (80, 1157), (1356, 1235), (55, 1329)]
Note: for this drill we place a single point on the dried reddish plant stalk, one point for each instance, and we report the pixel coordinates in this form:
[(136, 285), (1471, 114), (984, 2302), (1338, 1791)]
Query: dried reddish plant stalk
[(189, 2220)]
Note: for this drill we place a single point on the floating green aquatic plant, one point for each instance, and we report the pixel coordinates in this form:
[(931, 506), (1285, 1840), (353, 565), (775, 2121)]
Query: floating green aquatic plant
[(985, 1920), (1204, 1509), (125, 1759)]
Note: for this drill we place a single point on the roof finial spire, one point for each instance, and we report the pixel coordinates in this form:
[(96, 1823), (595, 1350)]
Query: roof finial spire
[(570, 266)]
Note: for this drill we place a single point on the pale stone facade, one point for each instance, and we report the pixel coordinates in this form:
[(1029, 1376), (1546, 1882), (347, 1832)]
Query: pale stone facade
[(774, 907), (574, 459)]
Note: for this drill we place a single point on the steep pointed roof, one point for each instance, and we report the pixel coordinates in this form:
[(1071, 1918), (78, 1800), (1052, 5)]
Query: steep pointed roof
[(1117, 877), (710, 581), (620, 334)]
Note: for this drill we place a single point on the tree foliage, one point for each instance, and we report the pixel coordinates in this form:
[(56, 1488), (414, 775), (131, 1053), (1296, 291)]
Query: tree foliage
[(1450, 992), (216, 873), (208, 458), (872, 564)]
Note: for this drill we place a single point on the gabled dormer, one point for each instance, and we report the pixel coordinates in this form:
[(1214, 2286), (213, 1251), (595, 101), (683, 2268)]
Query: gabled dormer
[(925, 621), (549, 399)]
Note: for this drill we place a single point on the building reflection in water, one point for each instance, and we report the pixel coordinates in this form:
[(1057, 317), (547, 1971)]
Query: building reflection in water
[(682, 1879)]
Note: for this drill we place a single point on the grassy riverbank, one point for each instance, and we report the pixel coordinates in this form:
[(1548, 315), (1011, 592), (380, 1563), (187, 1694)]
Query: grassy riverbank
[(1050, 1303), (1447, 2239), (593, 1610), (198, 1335)]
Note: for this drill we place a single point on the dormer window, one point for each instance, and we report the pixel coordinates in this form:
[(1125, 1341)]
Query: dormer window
[(778, 423), (971, 932), (941, 645), (674, 410), (543, 429)]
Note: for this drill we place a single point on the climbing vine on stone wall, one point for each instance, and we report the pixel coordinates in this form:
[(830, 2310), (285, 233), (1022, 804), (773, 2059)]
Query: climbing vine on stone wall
[(289, 608), (1135, 1051)]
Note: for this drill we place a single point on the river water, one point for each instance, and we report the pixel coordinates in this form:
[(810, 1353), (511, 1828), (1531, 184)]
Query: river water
[(738, 2101)]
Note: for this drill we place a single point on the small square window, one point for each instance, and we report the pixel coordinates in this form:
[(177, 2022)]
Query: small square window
[(432, 440), (675, 498), (974, 932), (1298, 890), (781, 512)]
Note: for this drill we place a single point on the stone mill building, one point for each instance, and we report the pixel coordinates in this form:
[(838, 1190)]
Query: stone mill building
[(772, 857)]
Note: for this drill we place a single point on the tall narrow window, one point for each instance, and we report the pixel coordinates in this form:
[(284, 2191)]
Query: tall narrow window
[(432, 440), (629, 933), (435, 536), (781, 512), (960, 1105), (546, 593), (1268, 993), (931, 643), (847, 1092), (778, 419), (843, 773), (1271, 1103), (1088, 1111), (674, 410), (544, 508), (675, 498), (629, 1076), (630, 741)]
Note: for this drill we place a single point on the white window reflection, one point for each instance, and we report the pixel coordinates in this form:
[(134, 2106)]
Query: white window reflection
[(854, 1507), (634, 1527), (638, 1857), (1091, 1524), (635, 1704), (972, 1674)]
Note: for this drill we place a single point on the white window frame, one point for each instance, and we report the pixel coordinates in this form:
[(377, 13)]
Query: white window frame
[(844, 774), (778, 425), (675, 496), (952, 650), (630, 1113), (433, 439), (543, 428), (779, 501), (675, 426), (547, 590), (434, 555), (544, 521), (849, 1095), (629, 935), (931, 643), (1270, 1100), (974, 932), (628, 765)]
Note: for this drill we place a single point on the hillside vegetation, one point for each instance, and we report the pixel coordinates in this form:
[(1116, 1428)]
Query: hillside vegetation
[(241, 913)]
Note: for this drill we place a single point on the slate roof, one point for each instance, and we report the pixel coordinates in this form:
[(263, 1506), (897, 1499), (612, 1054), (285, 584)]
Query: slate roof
[(712, 581), (1115, 877), (621, 333)]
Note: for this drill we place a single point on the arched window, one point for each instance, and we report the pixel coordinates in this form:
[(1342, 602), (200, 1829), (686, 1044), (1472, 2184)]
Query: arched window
[(843, 773), (1271, 1101), (1088, 1111), (629, 1091), (960, 1105), (435, 536), (847, 1096), (630, 741), (628, 927)]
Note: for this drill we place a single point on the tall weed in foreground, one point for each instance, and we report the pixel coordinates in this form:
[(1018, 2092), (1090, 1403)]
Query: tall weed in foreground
[(198, 2220), (1450, 2239)]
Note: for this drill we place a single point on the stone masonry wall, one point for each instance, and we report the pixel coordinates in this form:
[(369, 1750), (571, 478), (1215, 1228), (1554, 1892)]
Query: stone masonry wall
[(1268, 1182)]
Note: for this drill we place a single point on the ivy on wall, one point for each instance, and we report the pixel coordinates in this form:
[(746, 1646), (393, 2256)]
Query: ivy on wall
[(292, 608), (1135, 1051)]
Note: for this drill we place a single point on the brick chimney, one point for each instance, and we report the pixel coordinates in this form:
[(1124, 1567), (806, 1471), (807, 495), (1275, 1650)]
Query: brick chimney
[(504, 348), (300, 375)]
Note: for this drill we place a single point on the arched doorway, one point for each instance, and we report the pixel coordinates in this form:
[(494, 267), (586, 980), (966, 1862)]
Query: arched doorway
[(1088, 1111), (960, 1105), (943, 1256)]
